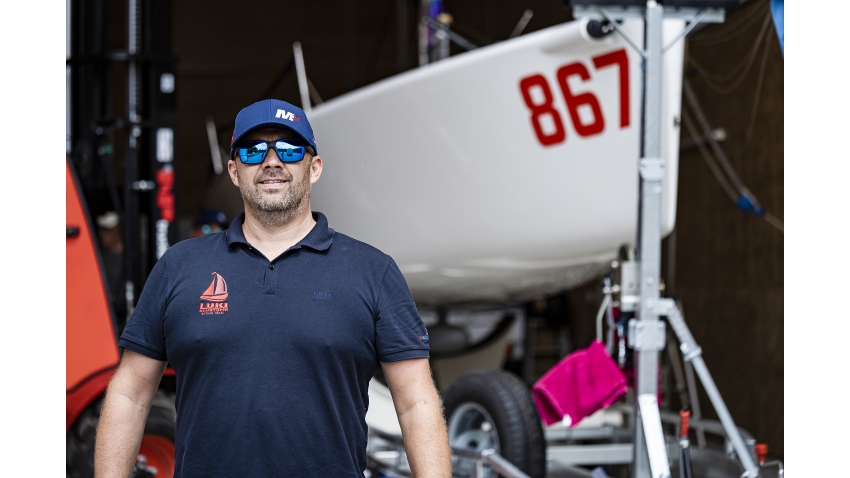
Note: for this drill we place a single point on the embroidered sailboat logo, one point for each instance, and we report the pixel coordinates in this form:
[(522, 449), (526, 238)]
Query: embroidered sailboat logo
[(214, 299)]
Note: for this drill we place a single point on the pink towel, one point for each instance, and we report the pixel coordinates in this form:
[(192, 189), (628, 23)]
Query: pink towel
[(583, 382)]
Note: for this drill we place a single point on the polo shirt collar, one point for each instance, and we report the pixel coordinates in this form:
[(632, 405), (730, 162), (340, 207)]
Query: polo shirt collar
[(319, 238)]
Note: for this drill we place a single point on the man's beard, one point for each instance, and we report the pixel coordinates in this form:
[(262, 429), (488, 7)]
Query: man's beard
[(276, 208)]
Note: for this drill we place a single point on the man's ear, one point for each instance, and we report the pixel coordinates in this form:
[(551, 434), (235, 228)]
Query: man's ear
[(315, 169), (234, 174)]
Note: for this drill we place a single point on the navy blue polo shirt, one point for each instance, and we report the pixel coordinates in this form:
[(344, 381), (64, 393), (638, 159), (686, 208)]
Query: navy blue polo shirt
[(274, 358)]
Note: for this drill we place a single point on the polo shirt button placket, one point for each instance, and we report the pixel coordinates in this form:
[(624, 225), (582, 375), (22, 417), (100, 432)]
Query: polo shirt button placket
[(269, 280)]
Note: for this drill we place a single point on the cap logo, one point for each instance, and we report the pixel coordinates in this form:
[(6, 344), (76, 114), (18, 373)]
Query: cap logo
[(288, 116)]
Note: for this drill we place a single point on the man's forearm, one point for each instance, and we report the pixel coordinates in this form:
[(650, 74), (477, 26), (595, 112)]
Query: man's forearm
[(125, 410), (420, 414), (425, 439), (119, 434)]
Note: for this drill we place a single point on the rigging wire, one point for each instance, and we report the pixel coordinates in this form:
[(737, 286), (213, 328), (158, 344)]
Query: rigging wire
[(759, 85), (706, 155), (732, 29), (737, 81), (737, 69), (743, 197), (774, 221), (703, 123)]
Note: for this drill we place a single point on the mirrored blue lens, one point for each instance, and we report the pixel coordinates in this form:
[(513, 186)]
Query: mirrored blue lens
[(289, 150), (253, 153)]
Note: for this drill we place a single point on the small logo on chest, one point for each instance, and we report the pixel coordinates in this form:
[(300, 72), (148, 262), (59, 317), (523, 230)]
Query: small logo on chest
[(321, 295), (214, 299)]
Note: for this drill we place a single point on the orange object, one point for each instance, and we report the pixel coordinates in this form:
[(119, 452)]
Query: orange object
[(761, 451), (217, 291), (685, 416), (159, 453), (80, 397), (91, 350)]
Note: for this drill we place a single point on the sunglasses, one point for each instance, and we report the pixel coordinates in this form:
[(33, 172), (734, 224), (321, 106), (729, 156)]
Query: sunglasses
[(289, 150)]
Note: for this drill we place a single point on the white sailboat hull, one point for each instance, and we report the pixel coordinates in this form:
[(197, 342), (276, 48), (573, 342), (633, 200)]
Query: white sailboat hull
[(441, 167)]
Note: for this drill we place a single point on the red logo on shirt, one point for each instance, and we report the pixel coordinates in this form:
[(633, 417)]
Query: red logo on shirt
[(214, 299)]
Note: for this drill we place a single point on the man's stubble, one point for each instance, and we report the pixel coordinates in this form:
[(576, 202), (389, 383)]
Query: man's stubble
[(278, 208)]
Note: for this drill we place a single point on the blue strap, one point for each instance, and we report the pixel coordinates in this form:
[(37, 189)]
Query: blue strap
[(745, 204)]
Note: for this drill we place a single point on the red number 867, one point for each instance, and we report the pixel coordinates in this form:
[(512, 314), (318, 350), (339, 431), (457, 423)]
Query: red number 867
[(597, 125)]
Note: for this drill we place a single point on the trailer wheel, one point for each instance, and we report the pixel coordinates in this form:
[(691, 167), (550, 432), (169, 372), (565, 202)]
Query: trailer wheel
[(157, 442), (494, 409), (79, 452)]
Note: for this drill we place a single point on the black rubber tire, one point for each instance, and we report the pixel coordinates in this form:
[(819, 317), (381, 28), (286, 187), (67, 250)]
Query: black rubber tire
[(707, 463), (508, 401), (79, 452)]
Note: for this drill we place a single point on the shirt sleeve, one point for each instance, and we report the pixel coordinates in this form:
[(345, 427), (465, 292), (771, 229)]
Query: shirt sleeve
[(144, 331), (400, 333)]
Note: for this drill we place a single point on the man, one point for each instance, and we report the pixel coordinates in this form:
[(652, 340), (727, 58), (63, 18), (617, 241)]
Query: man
[(274, 328)]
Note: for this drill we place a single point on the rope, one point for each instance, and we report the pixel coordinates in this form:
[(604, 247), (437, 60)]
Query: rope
[(774, 221), (734, 71), (709, 160), (731, 29), (758, 94), (703, 123), (743, 197), (749, 60)]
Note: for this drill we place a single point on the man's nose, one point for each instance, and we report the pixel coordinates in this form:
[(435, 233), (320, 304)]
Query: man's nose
[(272, 160)]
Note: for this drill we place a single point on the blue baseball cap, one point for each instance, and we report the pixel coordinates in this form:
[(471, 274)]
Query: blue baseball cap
[(272, 114)]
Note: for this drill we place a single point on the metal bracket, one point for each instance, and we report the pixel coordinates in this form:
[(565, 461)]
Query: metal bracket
[(647, 335), (692, 23), (710, 15), (660, 306), (652, 169), (621, 31), (629, 286), (690, 354), (689, 347)]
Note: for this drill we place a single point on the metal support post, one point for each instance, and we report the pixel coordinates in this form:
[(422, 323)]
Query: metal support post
[(693, 353), (134, 130), (650, 452), (301, 73)]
